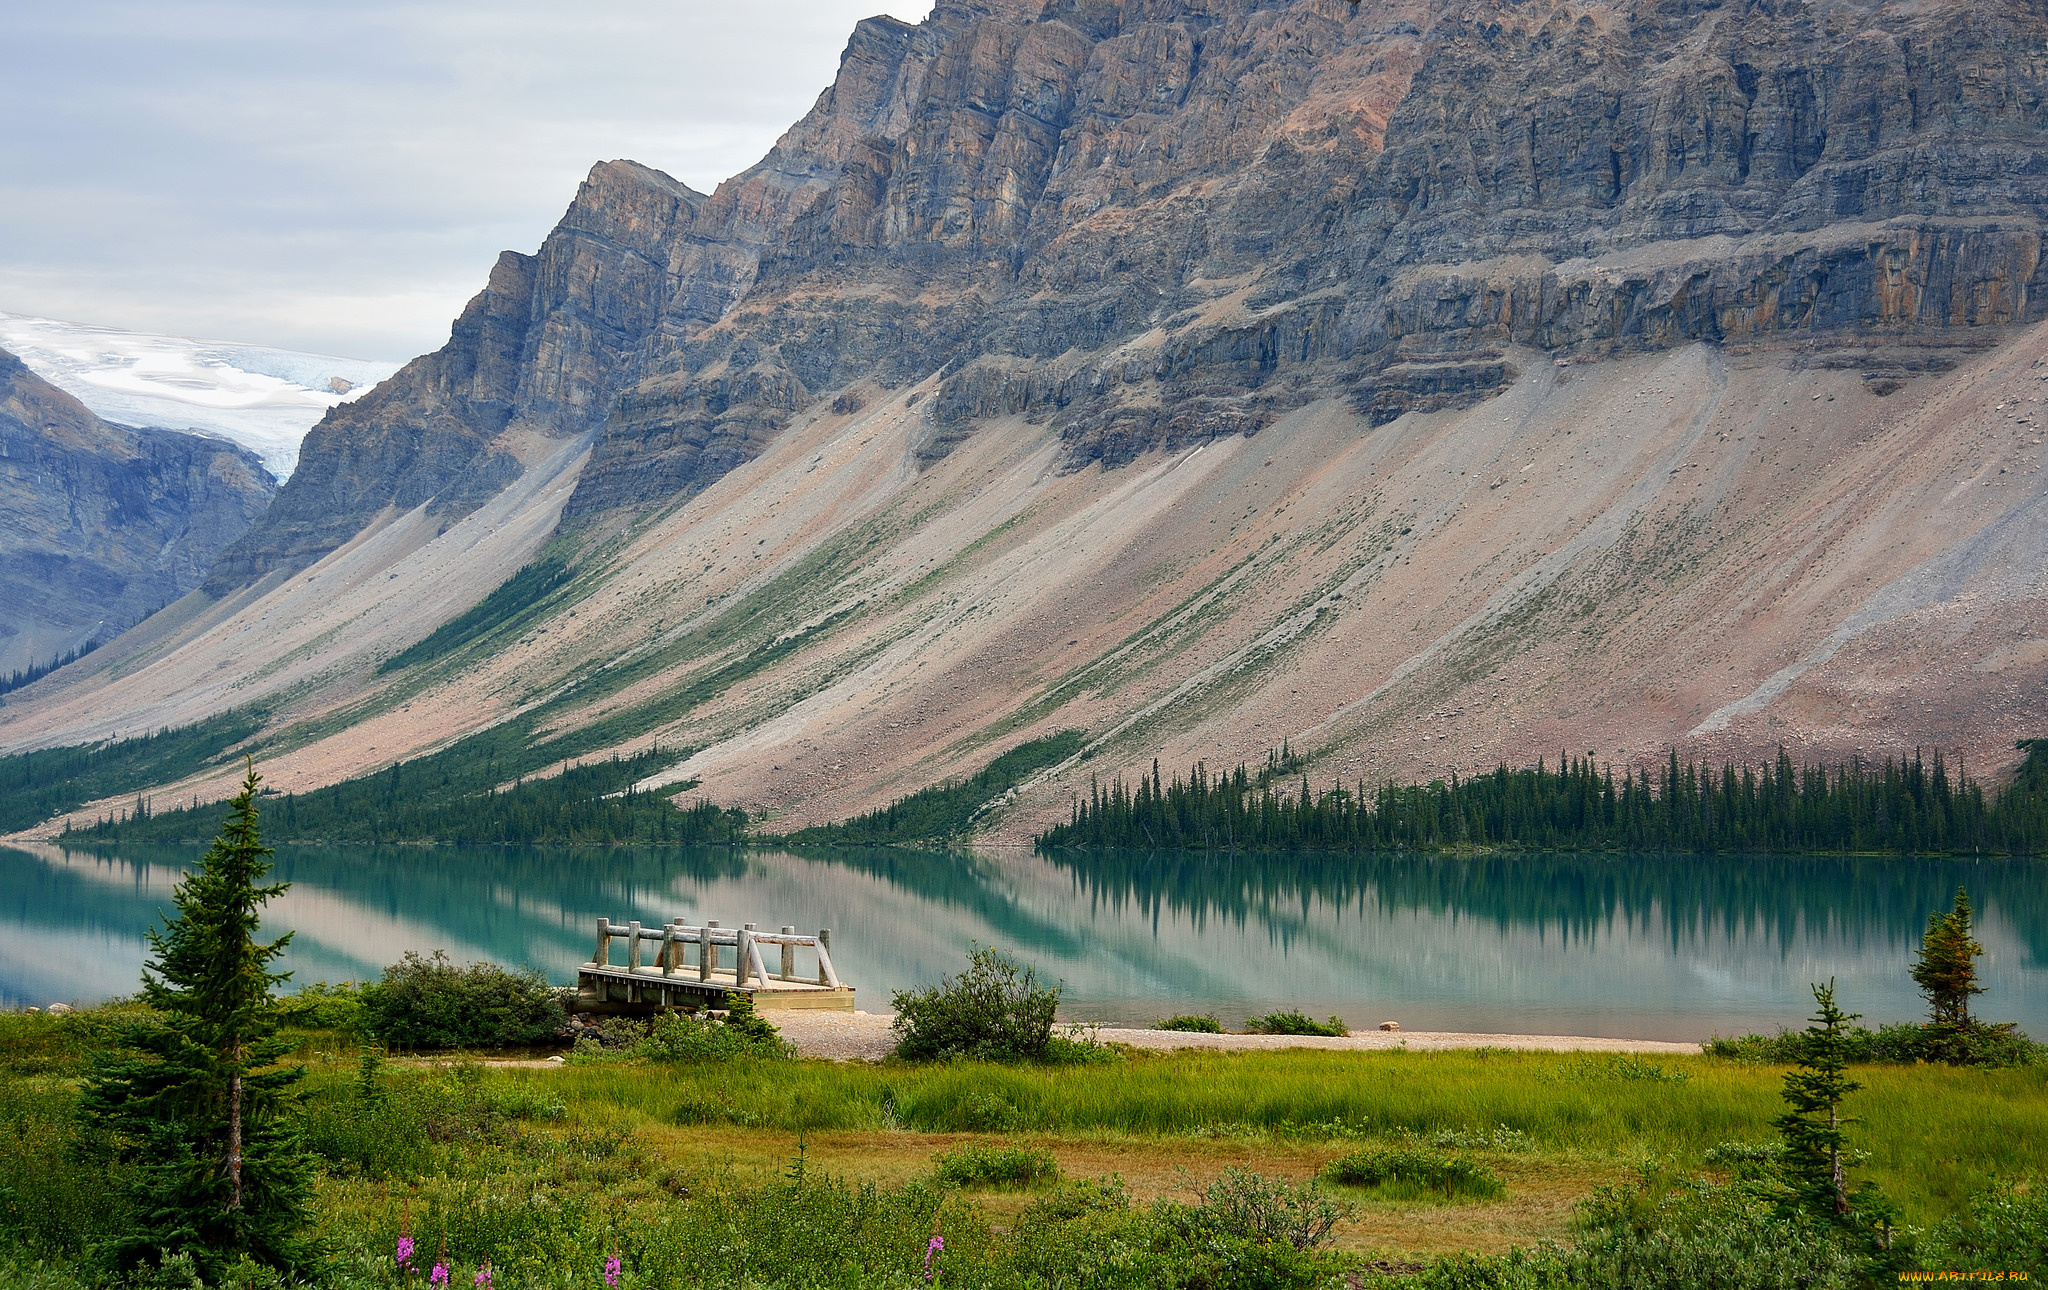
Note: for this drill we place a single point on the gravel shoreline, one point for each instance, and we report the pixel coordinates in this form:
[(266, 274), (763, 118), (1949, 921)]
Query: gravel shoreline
[(865, 1036)]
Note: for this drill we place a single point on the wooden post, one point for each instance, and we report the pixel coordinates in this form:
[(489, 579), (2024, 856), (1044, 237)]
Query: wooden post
[(740, 960), (603, 957), (788, 956), (669, 946), (632, 947), (825, 974), (707, 953)]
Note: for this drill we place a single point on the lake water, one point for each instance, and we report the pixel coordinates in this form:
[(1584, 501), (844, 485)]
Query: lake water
[(1639, 946)]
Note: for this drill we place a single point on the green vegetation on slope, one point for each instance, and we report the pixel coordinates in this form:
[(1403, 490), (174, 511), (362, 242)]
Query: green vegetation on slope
[(947, 810), (35, 786), (37, 671), (455, 797), (1904, 806), (522, 591)]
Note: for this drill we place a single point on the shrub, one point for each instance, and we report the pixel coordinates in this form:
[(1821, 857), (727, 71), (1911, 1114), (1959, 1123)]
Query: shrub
[(1254, 1207), (1088, 1236), (685, 1037), (2006, 1228), (432, 1003), (983, 1166), (993, 1011), (1414, 1172), (1297, 1023), (1194, 1023), (321, 1006), (1899, 1041)]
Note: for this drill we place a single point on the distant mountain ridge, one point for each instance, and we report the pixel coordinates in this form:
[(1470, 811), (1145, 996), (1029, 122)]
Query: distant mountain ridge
[(102, 524)]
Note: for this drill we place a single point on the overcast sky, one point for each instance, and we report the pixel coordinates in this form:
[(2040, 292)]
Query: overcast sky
[(339, 176)]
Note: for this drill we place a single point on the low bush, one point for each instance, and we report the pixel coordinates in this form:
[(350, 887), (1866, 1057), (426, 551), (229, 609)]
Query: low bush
[(1088, 1236), (1253, 1207), (994, 1011), (1412, 1173), (432, 1003), (1905, 1042), (1193, 1023), (2006, 1228), (985, 1166), (1661, 1234), (686, 1037), (321, 1006), (1297, 1023)]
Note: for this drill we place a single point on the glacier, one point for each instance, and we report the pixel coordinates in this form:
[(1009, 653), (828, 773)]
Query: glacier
[(262, 398)]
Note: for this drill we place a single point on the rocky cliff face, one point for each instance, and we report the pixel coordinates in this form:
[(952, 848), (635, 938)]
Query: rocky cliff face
[(100, 524), (1156, 221), (1620, 376)]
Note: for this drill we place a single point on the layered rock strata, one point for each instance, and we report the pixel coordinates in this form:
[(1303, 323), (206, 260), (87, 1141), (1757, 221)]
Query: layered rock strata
[(1152, 222)]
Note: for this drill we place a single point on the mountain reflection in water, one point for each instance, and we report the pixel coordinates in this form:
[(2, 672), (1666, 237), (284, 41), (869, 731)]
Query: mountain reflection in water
[(1637, 946)]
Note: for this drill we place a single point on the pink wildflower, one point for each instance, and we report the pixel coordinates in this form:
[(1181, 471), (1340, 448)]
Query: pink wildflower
[(405, 1248), (439, 1276), (938, 1244), (483, 1276), (611, 1272)]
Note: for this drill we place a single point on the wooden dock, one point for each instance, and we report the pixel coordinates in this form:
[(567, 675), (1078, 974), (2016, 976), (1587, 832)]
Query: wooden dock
[(725, 960)]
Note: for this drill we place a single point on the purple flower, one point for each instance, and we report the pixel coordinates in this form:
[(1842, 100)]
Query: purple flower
[(439, 1276), (404, 1251), (938, 1244), (483, 1277), (611, 1272)]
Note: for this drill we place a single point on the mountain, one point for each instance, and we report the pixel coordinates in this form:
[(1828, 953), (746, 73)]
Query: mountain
[(104, 524), (1420, 384), (262, 398)]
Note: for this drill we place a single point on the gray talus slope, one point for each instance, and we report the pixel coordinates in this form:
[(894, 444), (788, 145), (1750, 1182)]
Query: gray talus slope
[(101, 524)]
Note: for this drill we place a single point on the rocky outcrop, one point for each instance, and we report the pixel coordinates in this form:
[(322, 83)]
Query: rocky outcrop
[(542, 349), (1151, 222), (100, 524)]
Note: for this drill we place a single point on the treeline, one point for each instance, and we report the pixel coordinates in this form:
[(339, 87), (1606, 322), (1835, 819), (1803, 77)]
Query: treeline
[(37, 671), (435, 800), (1907, 805), (37, 785), (946, 810)]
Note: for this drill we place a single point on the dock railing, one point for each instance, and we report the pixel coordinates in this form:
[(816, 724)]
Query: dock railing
[(723, 959)]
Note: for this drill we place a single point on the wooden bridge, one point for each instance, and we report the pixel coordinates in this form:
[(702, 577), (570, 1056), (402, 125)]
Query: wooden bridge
[(726, 959)]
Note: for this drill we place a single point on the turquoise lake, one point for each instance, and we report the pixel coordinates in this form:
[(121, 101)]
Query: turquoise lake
[(1633, 946)]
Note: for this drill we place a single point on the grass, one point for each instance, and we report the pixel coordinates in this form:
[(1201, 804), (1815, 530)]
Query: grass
[(1943, 1133), (1414, 1173), (978, 1165), (1438, 1152)]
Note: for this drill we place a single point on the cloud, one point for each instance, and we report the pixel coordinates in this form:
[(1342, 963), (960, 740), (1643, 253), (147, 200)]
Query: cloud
[(339, 178)]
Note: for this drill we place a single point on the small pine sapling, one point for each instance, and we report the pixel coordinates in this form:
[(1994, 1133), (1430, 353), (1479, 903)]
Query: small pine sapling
[(1946, 972), (1814, 1166), (196, 1096)]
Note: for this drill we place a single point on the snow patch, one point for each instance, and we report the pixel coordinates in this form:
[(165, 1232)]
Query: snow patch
[(261, 398)]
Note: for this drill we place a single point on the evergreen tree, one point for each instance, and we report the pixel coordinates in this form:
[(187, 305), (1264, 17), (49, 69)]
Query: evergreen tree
[(195, 1097), (1946, 972), (1813, 1167)]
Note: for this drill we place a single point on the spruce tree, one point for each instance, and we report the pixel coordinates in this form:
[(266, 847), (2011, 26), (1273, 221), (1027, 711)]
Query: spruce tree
[(1946, 972), (1814, 1167), (196, 1097)]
